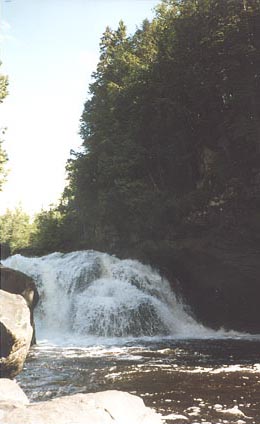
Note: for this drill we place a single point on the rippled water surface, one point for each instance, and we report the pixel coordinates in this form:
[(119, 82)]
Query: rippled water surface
[(189, 381)]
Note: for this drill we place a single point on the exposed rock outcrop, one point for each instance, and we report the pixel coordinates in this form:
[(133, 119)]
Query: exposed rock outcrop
[(109, 407), (16, 333), (215, 254), (18, 283), (221, 282), (216, 259), (11, 393)]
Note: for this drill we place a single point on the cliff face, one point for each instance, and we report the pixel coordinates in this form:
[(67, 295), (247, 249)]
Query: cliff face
[(220, 280), (215, 255), (217, 262)]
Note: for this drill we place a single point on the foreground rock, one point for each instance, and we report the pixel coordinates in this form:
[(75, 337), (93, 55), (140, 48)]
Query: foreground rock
[(18, 283), (16, 333), (109, 407), (11, 393)]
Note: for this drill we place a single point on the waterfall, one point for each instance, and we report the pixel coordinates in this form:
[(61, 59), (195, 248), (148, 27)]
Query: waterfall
[(89, 293)]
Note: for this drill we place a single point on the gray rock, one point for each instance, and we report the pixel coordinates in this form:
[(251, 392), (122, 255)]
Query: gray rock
[(17, 282), (109, 407), (16, 333), (10, 392)]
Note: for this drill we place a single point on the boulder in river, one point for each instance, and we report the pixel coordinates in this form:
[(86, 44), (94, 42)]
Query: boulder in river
[(109, 407), (16, 333), (11, 392), (16, 282)]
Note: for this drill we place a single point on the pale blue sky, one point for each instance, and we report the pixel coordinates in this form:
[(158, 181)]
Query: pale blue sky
[(49, 48)]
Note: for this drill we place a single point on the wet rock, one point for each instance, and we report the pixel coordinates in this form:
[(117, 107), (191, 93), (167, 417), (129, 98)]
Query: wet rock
[(217, 274), (220, 281), (16, 333), (18, 283), (109, 407), (233, 412)]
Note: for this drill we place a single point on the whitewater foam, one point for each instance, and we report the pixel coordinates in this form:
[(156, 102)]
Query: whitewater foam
[(88, 294)]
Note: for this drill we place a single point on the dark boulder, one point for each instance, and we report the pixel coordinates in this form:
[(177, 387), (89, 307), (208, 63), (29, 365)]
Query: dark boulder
[(5, 250)]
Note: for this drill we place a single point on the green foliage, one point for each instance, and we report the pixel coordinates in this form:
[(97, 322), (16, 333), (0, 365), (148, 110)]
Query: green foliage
[(3, 155), (173, 119), (47, 232), (15, 229), (53, 231), (3, 86), (3, 160)]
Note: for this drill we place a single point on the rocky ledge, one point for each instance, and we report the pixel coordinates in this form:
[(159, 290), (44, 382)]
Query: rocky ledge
[(93, 408)]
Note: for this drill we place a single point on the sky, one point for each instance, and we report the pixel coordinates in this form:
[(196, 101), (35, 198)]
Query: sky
[(49, 49)]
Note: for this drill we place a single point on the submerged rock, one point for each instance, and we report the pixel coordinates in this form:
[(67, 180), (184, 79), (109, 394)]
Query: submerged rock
[(16, 282), (109, 407), (16, 333)]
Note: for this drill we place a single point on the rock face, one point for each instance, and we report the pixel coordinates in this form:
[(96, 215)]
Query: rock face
[(109, 407), (215, 255), (16, 333), (218, 276), (18, 283), (221, 282)]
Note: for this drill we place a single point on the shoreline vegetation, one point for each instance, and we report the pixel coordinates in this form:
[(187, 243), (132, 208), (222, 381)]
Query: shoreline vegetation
[(168, 171)]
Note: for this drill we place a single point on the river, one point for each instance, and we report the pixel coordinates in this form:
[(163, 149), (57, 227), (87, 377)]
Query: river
[(104, 323)]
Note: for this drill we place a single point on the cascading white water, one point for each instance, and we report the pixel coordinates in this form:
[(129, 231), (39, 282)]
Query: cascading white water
[(88, 293)]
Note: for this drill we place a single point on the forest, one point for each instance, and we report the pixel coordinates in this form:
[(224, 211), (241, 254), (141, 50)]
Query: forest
[(170, 139)]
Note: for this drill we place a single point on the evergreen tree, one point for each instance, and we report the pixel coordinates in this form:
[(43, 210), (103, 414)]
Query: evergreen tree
[(172, 120)]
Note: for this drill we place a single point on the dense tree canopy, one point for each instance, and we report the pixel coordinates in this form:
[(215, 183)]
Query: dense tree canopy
[(172, 123)]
